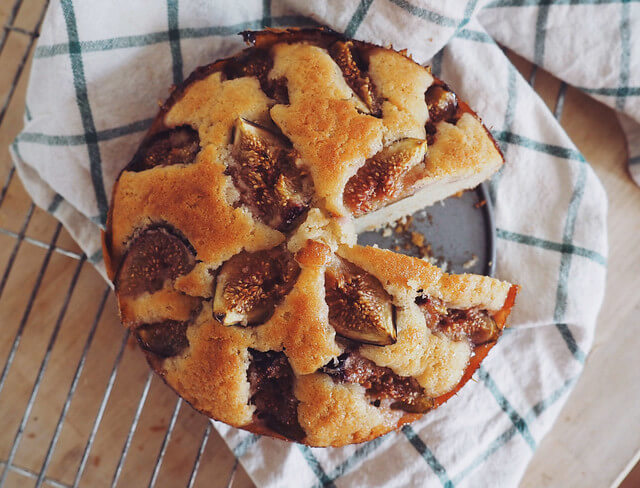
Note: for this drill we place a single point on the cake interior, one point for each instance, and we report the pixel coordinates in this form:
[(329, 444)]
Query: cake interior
[(428, 195)]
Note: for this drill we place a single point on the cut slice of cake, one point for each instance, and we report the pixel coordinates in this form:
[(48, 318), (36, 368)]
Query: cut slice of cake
[(425, 145)]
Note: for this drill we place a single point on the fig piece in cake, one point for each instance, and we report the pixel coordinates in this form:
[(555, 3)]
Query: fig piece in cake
[(359, 307), (174, 146), (250, 285), (271, 385), (380, 383), (475, 324), (414, 404), (380, 181), (154, 257), (353, 68), (472, 324), (442, 103), (258, 63), (165, 339), (264, 172)]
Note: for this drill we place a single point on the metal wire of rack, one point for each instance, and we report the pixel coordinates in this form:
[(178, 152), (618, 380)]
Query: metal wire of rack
[(14, 474)]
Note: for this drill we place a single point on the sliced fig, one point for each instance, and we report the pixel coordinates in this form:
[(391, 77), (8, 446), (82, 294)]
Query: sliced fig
[(354, 71), (154, 256), (165, 339), (253, 62), (265, 174), (271, 385), (249, 136), (473, 324), (380, 383), (380, 180), (431, 131), (174, 146), (432, 307), (250, 285), (417, 404), (359, 307), (442, 103)]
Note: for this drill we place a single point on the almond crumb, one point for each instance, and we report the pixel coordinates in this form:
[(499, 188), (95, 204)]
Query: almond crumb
[(480, 204), (417, 239), (403, 224), (425, 251), (471, 263)]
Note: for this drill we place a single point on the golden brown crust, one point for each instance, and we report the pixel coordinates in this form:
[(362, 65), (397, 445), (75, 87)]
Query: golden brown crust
[(300, 326), (184, 198), (334, 126), (212, 376), (314, 254), (398, 271), (148, 308), (401, 83), (212, 106), (337, 414), (393, 269), (467, 291), (322, 121), (461, 149), (198, 282)]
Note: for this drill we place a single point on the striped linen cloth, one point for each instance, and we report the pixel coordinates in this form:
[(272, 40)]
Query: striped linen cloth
[(100, 68)]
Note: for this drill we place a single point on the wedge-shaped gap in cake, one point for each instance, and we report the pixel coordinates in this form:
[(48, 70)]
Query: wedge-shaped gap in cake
[(264, 171), (359, 307), (271, 381), (250, 285), (383, 386), (155, 255), (179, 145)]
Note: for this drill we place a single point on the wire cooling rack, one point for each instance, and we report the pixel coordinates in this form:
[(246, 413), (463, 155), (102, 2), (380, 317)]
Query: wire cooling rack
[(73, 390), (73, 386)]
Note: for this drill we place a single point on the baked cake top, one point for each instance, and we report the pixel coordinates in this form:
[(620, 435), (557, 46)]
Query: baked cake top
[(232, 250)]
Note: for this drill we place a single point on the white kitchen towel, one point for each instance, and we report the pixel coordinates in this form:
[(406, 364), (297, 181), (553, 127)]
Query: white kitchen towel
[(100, 68)]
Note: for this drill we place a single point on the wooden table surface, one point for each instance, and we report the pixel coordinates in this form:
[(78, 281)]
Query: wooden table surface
[(595, 441)]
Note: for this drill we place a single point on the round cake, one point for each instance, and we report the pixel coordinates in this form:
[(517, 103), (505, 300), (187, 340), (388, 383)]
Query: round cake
[(231, 240)]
